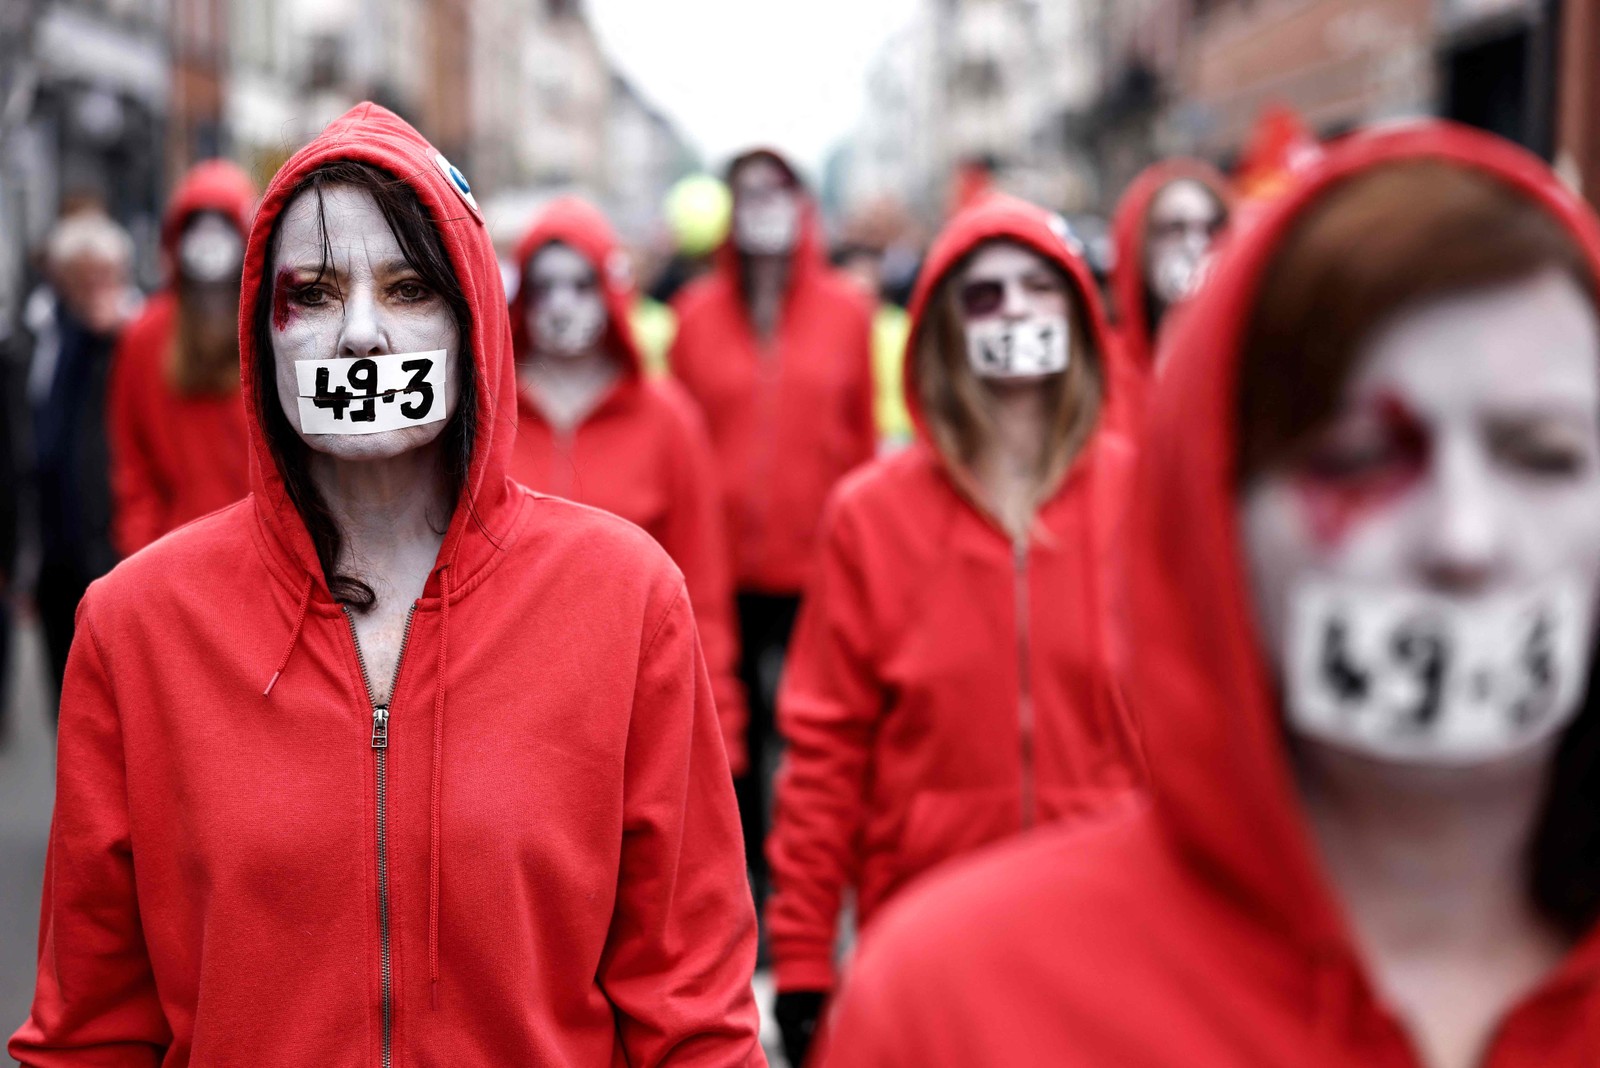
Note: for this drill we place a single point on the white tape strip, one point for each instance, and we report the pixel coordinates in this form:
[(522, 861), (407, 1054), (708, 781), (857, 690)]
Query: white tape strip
[(371, 394)]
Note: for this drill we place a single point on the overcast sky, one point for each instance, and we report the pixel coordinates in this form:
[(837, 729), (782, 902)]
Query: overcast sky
[(733, 73)]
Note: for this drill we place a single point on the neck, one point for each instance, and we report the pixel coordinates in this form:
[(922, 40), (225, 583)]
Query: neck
[(765, 279), (1009, 466), (1427, 859), (567, 389), (387, 509)]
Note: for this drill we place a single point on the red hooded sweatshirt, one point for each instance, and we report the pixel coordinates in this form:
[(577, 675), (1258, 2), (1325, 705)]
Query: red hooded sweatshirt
[(542, 867), (946, 687), (1128, 232), (788, 416), (643, 453), (174, 457), (1201, 928)]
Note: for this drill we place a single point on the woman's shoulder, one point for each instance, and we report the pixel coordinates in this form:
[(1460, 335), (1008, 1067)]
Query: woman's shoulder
[(580, 540), (209, 561)]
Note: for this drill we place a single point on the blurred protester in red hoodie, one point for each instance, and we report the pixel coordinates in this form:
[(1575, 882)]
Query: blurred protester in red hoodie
[(777, 349), (179, 447), (394, 761), (1365, 562), (1163, 231), (948, 684), (592, 427)]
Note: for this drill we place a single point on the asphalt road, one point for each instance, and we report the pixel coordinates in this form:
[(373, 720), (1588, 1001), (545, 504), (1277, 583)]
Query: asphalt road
[(27, 785)]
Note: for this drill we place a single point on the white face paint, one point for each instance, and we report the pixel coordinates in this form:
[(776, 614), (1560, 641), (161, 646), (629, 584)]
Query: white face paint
[(1425, 576), (364, 302), (210, 250), (1014, 307), (565, 311), (1183, 222), (766, 209)]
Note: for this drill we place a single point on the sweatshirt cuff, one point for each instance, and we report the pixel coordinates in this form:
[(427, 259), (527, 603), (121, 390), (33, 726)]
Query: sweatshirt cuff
[(805, 973)]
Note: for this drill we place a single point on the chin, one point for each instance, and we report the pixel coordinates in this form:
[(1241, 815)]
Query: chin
[(385, 445)]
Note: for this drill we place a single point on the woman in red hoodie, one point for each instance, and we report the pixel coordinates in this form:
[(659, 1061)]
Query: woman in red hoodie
[(776, 347), (593, 428), (1366, 554), (179, 445), (947, 685), (394, 762), (1163, 231)]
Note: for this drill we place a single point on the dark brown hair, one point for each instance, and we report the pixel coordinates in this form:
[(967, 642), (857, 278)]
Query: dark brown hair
[(1382, 242), (423, 249), (957, 404)]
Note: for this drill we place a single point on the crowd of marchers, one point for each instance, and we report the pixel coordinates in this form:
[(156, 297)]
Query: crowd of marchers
[(449, 677)]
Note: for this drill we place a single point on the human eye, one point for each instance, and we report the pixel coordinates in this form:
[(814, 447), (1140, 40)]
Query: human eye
[(1547, 448), (410, 291)]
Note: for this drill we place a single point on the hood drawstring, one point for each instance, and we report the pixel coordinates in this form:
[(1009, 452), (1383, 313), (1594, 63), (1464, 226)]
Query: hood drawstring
[(294, 636), (434, 789)]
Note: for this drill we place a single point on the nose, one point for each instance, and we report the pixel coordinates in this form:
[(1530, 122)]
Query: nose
[(363, 332), (1014, 304), (1464, 542)]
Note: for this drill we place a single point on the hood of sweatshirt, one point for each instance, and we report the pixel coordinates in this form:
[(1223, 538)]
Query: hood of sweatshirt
[(372, 135), (1198, 680), (215, 185), (575, 222), (998, 217), (1128, 228)]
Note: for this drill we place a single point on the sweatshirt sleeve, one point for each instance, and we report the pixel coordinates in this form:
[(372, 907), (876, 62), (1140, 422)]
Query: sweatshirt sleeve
[(138, 506), (828, 712), (682, 945), (694, 538), (95, 1000)]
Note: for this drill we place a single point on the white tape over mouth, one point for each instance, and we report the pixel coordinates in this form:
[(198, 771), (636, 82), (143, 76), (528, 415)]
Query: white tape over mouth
[(998, 348), (1413, 676), (371, 394)]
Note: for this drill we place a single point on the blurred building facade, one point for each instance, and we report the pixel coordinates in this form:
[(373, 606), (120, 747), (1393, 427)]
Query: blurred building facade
[(1070, 98), (109, 101)]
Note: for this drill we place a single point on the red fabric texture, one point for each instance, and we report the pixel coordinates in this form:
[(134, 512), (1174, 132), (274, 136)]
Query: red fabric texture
[(1199, 928), (564, 868), (946, 687), (643, 453), (174, 457), (788, 415)]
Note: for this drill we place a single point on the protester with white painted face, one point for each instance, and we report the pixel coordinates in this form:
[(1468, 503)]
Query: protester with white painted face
[(394, 761), (1163, 231), (179, 441), (1364, 564), (776, 348), (948, 685), (593, 427)]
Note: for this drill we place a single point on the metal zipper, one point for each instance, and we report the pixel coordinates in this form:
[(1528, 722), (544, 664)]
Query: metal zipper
[(380, 752), (1025, 717)]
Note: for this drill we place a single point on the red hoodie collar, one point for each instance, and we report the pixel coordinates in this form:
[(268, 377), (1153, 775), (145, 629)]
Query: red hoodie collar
[(997, 216), (370, 134), (1197, 680), (1128, 236), (215, 185), (577, 223)]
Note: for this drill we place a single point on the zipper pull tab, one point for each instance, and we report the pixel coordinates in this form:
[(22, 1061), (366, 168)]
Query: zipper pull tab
[(380, 727)]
